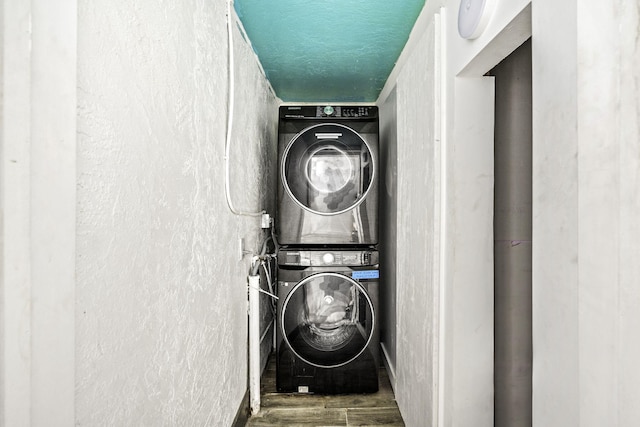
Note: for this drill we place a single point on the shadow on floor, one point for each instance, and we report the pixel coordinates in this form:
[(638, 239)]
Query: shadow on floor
[(284, 409)]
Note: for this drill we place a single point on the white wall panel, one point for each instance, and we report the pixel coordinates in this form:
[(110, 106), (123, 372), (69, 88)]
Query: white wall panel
[(626, 126), (608, 193), (470, 215), (38, 192), (586, 190), (15, 271), (555, 200)]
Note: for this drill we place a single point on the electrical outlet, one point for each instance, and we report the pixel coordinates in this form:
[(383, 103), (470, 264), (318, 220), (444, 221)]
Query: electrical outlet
[(265, 221)]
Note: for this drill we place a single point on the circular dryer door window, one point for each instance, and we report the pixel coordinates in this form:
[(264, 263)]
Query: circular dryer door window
[(328, 320), (327, 169)]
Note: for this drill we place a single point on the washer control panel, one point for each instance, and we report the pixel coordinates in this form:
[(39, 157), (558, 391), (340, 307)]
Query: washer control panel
[(319, 258)]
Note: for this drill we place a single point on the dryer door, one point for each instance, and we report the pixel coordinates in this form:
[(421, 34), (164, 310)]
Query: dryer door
[(328, 320), (327, 169)]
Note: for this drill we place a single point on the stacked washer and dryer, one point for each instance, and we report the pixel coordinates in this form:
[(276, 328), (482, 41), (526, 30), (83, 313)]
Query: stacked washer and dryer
[(327, 338)]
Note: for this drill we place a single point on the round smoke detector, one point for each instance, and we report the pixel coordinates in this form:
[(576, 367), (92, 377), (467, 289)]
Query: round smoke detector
[(473, 17)]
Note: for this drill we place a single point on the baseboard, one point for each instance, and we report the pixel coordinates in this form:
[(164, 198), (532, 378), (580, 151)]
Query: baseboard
[(391, 369), (242, 416)]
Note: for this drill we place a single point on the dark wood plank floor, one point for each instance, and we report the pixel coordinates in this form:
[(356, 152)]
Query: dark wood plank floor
[(282, 409)]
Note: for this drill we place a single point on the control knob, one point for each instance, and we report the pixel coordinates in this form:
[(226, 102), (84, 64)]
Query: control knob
[(328, 258)]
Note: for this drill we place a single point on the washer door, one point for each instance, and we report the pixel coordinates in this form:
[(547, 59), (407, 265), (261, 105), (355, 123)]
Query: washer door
[(327, 169), (328, 320)]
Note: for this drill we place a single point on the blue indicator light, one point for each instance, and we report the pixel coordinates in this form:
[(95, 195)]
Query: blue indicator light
[(366, 274)]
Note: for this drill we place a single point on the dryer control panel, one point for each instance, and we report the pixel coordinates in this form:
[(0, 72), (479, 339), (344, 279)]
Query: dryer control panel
[(319, 258), (365, 112)]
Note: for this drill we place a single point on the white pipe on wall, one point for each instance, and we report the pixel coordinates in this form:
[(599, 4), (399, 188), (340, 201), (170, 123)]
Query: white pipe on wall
[(254, 343)]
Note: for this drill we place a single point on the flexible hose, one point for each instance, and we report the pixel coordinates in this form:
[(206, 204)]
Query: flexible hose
[(230, 107), (263, 253)]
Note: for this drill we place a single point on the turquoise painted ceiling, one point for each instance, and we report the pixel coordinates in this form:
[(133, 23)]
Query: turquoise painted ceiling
[(328, 50)]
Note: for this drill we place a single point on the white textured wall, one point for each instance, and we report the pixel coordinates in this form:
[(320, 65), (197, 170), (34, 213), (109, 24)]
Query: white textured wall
[(418, 227), (417, 241), (161, 294)]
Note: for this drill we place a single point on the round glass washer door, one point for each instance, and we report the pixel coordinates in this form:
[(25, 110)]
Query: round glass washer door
[(328, 169), (328, 320)]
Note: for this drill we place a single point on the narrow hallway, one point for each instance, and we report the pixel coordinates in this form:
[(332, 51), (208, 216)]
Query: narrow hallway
[(140, 171), (280, 409)]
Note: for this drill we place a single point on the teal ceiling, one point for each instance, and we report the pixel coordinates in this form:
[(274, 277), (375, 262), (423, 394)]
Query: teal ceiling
[(328, 50)]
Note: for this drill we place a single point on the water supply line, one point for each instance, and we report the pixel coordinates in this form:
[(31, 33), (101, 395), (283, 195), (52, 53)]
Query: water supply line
[(230, 108)]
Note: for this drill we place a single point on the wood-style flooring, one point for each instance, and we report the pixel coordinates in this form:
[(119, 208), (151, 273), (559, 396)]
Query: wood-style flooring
[(283, 409)]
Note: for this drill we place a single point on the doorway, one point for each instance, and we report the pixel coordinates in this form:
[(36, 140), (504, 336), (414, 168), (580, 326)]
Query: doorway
[(513, 239)]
